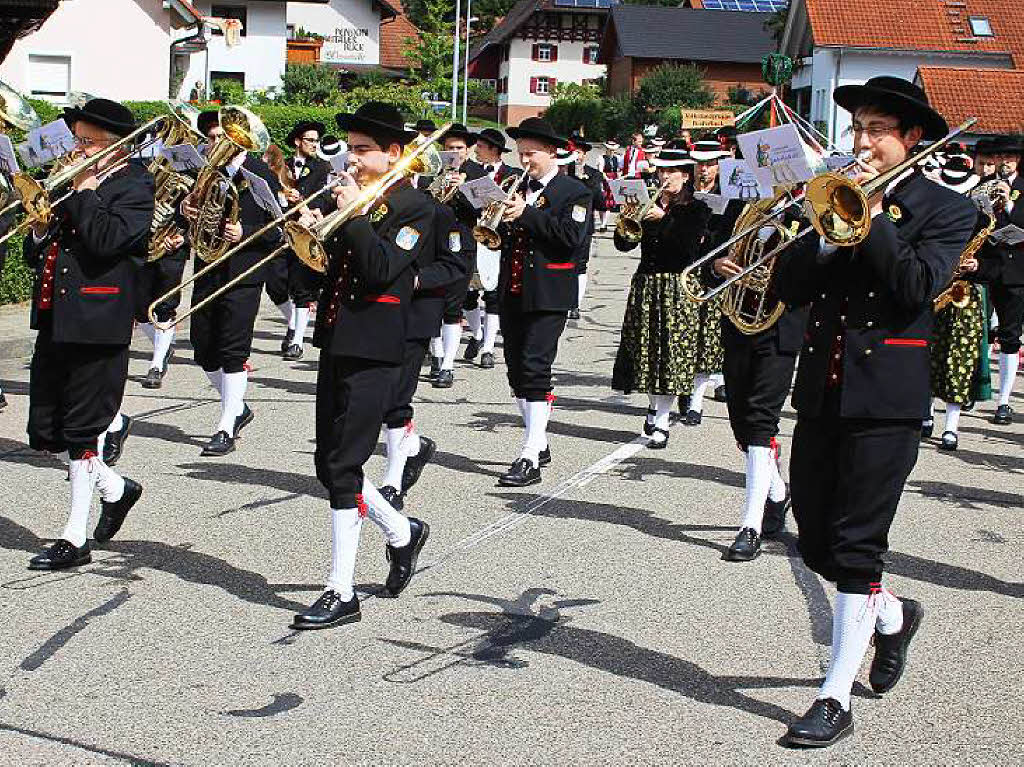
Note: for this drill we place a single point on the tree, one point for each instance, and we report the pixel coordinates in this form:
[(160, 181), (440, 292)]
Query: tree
[(776, 24), (430, 57), (670, 85)]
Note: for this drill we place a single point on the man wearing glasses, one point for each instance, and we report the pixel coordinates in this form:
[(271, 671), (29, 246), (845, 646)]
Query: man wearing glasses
[(862, 388)]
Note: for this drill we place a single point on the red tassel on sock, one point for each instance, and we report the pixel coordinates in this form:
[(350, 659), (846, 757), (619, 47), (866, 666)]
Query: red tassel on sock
[(361, 506)]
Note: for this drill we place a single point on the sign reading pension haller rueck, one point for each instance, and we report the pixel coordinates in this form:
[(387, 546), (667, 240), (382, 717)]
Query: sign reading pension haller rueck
[(706, 118)]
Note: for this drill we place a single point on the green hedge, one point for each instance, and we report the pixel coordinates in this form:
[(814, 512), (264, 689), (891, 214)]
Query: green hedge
[(16, 279)]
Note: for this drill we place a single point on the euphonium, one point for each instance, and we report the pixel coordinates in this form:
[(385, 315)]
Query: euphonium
[(171, 185), (629, 225), (486, 230), (215, 197), (959, 291)]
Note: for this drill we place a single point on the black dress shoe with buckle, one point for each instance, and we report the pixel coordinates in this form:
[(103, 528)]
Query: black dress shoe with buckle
[(521, 474), (392, 496), (693, 418), (61, 555), (154, 379), (949, 441), (824, 723), (414, 464), (746, 547), (1003, 415), (327, 611), (927, 428), (403, 558), (220, 444), (435, 368), (487, 360), (3, 401), (574, 314), (113, 514), (658, 439), (243, 420), (287, 340), (114, 442), (472, 349), (774, 518), (293, 353), (544, 456), (720, 394), (445, 379), (891, 649)]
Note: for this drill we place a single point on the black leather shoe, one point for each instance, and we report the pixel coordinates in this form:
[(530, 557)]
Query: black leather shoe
[(891, 649), (243, 420), (824, 723), (3, 401), (154, 379), (287, 340), (329, 610), (403, 559), (220, 444), (658, 444), (1003, 416), (445, 379), (949, 441), (435, 368), (574, 314), (472, 349), (114, 442), (414, 464), (927, 428), (60, 556), (293, 353), (544, 456), (521, 474), (774, 518), (649, 422), (487, 360), (113, 514), (693, 418), (746, 547), (968, 407), (720, 394), (392, 496)]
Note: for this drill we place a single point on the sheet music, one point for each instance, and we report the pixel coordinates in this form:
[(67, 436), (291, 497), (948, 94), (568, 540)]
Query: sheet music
[(183, 157), (481, 191), (261, 192)]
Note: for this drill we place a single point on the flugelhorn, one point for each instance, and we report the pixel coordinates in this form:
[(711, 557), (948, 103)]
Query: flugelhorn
[(629, 225), (486, 230)]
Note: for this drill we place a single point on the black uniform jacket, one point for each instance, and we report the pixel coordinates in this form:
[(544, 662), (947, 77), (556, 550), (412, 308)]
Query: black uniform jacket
[(872, 304), (439, 266), (252, 217), (314, 175), (365, 304), (594, 181), (547, 237), (101, 236), (1004, 263), (673, 242)]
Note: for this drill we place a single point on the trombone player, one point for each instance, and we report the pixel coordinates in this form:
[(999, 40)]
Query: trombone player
[(87, 258), (862, 385)]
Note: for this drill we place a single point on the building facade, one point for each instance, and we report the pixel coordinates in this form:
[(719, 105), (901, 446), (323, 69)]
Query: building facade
[(351, 30)]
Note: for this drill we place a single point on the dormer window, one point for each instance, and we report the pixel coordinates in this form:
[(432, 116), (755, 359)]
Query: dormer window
[(980, 26)]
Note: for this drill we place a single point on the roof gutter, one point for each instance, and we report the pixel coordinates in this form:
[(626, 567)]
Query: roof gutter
[(917, 51)]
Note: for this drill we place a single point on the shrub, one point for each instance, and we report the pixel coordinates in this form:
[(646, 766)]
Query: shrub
[(227, 91), (577, 107), (482, 95), (669, 85), (309, 84), (16, 278)]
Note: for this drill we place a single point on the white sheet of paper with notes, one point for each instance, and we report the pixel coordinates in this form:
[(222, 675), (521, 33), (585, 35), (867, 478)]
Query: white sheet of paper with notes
[(481, 191), (777, 156), (261, 191), (738, 182), (183, 157), (628, 190), (8, 159), (716, 202)]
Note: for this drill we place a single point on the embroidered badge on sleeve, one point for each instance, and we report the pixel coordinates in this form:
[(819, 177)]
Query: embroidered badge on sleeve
[(579, 213), (454, 241), (894, 213), (407, 238)]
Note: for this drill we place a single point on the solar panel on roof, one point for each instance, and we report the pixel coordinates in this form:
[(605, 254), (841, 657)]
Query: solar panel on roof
[(583, 3), (760, 6)]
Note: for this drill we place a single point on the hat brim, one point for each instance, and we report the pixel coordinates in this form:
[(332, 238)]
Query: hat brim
[(548, 138), (469, 138), (72, 115), (682, 163), (352, 122), (304, 126), (718, 154), (500, 147), (962, 187), (852, 97)]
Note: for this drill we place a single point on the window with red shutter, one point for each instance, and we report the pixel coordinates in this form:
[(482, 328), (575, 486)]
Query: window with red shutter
[(535, 54), (554, 53), (533, 85), (551, 85)]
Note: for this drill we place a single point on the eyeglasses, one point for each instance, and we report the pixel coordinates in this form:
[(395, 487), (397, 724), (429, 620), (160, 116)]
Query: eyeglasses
[(85, 142), (309, 140), (874, 131)]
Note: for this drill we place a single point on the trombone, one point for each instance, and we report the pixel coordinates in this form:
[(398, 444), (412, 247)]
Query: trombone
[(308, 242), (837, 208)]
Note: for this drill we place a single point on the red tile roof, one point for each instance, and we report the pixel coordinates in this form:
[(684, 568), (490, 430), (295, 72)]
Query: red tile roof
[(938, 25), (994, 96), (393, 35)]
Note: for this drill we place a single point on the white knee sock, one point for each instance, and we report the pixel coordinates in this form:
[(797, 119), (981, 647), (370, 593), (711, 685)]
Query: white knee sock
[(717, 379), (890, 612), (287, 311), (117, 424), (1007, 370), (82, 482), (473, 320), (394, 524), (777, 491), (581, 289), (149, 330), (450, 337), (232, 400), (853, 624), (394, 442), (760, 467), (537, 414), (161, 344), (436, 347), (700, 383), (652, 407), (952, 417), (301, 322), (521, 404), (216, 379), (345, 525), (491, 325), (107, 481)]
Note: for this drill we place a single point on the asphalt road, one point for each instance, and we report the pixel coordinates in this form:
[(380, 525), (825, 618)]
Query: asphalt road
[(587, 620)]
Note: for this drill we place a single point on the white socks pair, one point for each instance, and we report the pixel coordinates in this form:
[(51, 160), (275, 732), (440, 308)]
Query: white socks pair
[(162, 340), (700, 384), (492, 323), (1008, 364), (853, 623), (535, 417), (661, 404), (952, 417), (345, 527), (581, 281), (86, 474), (451, 335), (763, 482), (400, 443), (287, 310), (474, 323), (232, 399), (298, 323)]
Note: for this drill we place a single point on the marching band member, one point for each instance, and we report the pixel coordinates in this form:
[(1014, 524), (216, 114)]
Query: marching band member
[(155, 279), (611, 168), (592, 179), (5, 224), (361, 331), (653, 355), (221, 332), (862, 389), (537, 285), (87, 262), (276, 272)]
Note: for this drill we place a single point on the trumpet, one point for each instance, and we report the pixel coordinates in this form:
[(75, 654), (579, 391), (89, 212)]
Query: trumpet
[(629, 225), (420, 156), (445, 185), (486, 230)]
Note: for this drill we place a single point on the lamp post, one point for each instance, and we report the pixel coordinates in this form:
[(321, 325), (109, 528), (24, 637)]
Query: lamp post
[(455, 61), (465, 80)]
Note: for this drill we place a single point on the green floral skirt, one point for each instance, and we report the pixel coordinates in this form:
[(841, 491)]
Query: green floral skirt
[(956, 351), (666, 338)]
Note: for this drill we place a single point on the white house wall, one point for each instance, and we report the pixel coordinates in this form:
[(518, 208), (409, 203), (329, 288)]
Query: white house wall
[(521, 67), (351, 29)]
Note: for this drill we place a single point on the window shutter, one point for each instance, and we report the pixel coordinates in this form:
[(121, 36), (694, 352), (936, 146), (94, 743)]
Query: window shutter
[(551, 86), (554, 53), (586, 55), (535, 55), (533, 85)]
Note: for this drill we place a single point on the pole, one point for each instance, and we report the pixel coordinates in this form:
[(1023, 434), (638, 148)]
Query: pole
[(455, 62), (465, 79)]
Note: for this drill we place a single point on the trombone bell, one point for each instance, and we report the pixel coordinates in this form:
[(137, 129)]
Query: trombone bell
[(308, 249), (837, 209)]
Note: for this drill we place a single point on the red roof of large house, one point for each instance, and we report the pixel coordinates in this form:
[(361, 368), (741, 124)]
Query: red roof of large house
[(994, 96)]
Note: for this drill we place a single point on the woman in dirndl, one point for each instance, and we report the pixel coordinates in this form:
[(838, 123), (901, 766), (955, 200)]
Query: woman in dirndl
[(658, 349)]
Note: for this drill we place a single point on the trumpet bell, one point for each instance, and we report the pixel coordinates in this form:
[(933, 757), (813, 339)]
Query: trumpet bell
[(15, 109), (308, 249), (428, 162), (630, 229), (487, 237), (837, 209)]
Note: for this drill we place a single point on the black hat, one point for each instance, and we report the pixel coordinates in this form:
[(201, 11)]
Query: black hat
[(207, 120), (983, 146), (302, 126), (707, 150), (536, 128), (727, 131), (902, 94), (493, 137), (425, 126), (102, 113), (330, 146), (458, 130), (579, 142), (1006, 145), (673, 155), (957, 173), (376, 118)]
